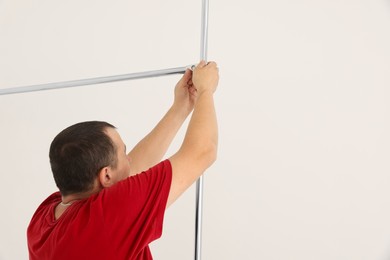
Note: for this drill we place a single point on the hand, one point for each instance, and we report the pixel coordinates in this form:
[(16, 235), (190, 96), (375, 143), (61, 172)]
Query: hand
[(185, 93), (205, 77)]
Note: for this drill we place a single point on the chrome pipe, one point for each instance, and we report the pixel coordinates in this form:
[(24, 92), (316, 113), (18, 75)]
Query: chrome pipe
[(94, 81), (199, 183)]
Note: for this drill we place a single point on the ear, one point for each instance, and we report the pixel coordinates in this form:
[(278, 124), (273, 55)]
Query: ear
[(105, 177)]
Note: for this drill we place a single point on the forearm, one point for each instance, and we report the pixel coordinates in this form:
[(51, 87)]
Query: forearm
[(202, 135), (151, 149), (199, 148)]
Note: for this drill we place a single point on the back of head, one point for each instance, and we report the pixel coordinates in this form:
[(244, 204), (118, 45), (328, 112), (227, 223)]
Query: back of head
[(78, 153)]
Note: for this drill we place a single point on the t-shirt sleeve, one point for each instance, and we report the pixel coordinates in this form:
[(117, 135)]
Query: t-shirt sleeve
[(134, 208)]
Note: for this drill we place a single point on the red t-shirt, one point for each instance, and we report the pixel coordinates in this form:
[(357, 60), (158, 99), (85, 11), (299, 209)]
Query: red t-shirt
[(117, 223)]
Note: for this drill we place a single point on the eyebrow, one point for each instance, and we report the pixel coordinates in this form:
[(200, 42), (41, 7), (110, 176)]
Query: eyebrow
[(125, 148)]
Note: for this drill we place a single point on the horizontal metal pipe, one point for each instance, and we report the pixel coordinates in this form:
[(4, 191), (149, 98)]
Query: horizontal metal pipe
[(93, 81)]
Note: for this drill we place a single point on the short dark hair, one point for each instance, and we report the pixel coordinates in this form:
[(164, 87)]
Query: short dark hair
[(78, 153)]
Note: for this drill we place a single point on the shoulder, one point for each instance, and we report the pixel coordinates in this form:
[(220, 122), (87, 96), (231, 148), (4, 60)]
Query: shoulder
[(162, 168), (45, 210), (137, 194), (53, 199), (160, 172), (140, 186)]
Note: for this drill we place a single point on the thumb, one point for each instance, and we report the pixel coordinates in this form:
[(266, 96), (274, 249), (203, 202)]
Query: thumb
[(201, 64), (187, 76)]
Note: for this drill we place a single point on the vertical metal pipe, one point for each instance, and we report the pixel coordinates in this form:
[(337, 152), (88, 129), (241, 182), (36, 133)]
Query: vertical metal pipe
[(199, 183), (205, 28)]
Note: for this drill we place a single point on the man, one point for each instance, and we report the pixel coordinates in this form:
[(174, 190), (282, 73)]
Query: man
[(110, 204)]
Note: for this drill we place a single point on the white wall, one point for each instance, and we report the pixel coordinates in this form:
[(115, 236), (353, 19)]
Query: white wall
[(303, 106)]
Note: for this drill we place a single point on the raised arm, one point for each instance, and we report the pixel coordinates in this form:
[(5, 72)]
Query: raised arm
[(199, 148), (151, 149)]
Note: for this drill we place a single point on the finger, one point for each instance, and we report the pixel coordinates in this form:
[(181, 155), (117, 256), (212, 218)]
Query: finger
[(188, 73), (211, 64), (201, 64), (186, 77), (192, 90)]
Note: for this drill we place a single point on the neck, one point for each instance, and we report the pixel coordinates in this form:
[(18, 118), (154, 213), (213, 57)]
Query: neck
[(70, 198)]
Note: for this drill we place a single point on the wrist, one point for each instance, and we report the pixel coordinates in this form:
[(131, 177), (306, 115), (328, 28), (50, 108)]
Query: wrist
[(205, 92), (180, 110)]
